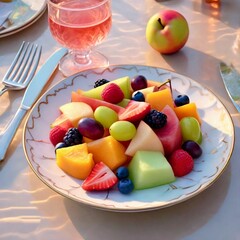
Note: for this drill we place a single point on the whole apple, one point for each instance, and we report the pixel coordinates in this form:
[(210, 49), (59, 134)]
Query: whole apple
[(167, 31)]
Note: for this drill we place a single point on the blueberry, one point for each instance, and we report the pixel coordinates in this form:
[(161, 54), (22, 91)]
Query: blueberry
[(122, 172), (60, 145), (125, 186), (138, 96), (181, 100)]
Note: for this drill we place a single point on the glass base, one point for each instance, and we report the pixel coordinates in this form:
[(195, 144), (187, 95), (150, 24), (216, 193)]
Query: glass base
[(73, 62)]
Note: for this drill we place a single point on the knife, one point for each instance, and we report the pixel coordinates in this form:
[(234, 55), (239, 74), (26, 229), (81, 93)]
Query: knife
[(31, 94), (231, 80)]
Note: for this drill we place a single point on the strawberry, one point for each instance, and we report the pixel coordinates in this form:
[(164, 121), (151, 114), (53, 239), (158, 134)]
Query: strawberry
[(181, 162), (112, 93), (134, 111), (56, 135), (101, 178)]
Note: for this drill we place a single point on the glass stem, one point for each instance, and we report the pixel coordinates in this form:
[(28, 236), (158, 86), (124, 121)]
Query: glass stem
[(82, 57)]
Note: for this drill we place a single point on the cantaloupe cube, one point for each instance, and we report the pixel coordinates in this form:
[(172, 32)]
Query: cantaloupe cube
[(109, 151), (75, 160), (158, 100), (188, 110)]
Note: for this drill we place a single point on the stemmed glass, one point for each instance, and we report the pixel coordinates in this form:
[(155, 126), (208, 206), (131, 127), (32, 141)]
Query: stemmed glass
[(80, 25)]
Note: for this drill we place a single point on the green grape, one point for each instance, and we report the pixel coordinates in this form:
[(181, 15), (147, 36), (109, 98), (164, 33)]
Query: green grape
[(105, 115), (191, 129), (122, 130)]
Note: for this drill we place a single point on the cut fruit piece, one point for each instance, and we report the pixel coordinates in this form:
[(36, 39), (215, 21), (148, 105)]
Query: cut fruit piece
[(149, 169), (188, 110), (75, 160), (134, 111), (109, 151), (145, 139), (147, 90), (101, 178), (158, 100), (76, 111), (63, 121), (94, 103), (124, 83), (170, 135)]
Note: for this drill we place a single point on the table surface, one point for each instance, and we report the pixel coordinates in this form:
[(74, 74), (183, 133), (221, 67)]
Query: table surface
[(30, 210)]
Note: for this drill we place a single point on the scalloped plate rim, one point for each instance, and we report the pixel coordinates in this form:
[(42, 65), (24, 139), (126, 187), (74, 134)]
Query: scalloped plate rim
[(125, 208)]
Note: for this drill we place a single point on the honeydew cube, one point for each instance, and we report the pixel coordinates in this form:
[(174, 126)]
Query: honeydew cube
[(124, 83), (149, 169)]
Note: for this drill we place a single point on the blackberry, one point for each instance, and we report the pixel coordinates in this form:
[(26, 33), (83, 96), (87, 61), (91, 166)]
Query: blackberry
[(72, 137), (100, 82), (155, 119)]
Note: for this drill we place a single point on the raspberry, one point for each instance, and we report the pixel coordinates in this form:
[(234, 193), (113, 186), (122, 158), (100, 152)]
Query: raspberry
[(112, 93), (72, 137), (181, 162), (100, 82), (155, 119), (57, 134)]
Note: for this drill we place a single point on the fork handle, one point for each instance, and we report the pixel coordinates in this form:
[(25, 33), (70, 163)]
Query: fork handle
[(9, 132)]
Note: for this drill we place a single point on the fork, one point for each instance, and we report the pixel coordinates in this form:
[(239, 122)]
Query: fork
[(22, 68)]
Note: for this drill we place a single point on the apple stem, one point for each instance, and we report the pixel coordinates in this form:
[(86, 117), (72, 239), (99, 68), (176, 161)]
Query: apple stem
[(166, 82), (160, 22)]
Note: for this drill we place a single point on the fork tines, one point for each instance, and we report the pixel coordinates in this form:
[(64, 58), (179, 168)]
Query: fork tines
[(23, 66)]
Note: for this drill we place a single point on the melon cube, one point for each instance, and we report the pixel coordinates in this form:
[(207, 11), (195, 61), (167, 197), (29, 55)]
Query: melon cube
[(144, 139), (109, 151), (188, 110), (158, 100), (149, 169), (124, 83), (75, 160)]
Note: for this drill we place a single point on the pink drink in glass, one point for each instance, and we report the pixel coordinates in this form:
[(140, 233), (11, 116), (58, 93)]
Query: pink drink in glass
[(80, 30)]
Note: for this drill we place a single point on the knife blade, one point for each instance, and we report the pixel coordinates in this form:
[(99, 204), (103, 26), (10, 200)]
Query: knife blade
[(231, 80), (31, 94)]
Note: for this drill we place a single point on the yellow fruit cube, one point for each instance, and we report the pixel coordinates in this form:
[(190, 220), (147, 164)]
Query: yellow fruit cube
[(158, 100), (188, 110), (109, 151), (75, 160)]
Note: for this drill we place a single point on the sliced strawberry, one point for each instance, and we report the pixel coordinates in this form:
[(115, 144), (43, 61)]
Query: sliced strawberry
[(134, 111), (101, 178)]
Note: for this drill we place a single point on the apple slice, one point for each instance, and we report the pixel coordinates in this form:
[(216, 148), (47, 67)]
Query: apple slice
[(144, 139), (75, 111)]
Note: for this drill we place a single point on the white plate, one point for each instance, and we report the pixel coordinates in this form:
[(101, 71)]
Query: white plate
[(25, 13), (218, 142)]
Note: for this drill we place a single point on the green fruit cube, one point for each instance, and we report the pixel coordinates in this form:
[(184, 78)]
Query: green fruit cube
[(124, 83), (149, 169)]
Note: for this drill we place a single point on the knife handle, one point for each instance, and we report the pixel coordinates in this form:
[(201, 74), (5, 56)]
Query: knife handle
[(9, 132)]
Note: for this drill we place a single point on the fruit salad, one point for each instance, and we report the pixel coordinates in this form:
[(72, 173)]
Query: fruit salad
[(128, 133)]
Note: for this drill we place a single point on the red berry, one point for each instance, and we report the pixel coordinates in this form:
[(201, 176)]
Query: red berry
[(134, 111), (57, 134), (112, 93), (101, 178), (181, 162)]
